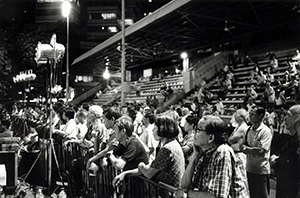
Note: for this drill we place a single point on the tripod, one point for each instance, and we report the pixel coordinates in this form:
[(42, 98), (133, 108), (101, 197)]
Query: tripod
[(48, 145)]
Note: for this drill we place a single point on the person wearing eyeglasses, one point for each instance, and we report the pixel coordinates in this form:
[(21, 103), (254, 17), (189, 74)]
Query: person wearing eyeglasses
[(213, 170)]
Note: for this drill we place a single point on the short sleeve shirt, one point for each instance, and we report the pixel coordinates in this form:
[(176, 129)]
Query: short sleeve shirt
[(133, 153), (170, 163), (261, 137)]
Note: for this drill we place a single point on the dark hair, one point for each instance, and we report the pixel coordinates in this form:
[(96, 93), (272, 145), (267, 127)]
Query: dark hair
[(167, 126), (260, 110), (112, 112), (151, 117), (4, 118), (69, 112), (217, 127), (193, 120), (125, 122)]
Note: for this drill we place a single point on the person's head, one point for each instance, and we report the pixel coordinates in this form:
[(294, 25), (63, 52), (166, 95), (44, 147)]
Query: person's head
[(95, 112), (69, 113), (110, 115), (185, 111), (81, 116), (123, 128), (257, 114), (4, 120), (211, 130), (292, 120), (165, 127), (148, 118), (191, 123), (241, 115)]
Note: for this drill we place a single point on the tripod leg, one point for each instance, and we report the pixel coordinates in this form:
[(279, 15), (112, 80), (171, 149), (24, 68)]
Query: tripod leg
[(59, 171)]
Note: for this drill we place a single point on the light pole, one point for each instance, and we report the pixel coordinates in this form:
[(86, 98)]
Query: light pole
[(66, 8)]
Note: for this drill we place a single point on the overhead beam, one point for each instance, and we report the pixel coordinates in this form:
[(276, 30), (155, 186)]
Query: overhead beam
[(158, 14)]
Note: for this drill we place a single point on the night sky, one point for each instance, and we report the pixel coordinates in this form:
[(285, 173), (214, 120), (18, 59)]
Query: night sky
[(16, 12)]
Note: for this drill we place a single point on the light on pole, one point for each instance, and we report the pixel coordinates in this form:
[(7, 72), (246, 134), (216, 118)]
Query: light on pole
[(66, 8), (106, 75)]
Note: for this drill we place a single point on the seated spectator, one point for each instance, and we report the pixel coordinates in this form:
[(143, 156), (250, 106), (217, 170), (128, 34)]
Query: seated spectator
[(279, 98), (261, 79), (250, 104), (219, 106), (296, 57), (168, 166), (250, 92), (292, 68), (269, 93), (213, 170), (269, 75), (291, 87), (274, 62)]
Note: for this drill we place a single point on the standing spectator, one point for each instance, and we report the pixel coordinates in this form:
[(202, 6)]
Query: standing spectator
[(213, 170), (168, 166), (285, 159), (130, 152), (147, 136), (257, 147), (188, 139), (185, 113), (70, 129), (5, 122), (288, 164), (96, 127), (109, 116), (237, 138)]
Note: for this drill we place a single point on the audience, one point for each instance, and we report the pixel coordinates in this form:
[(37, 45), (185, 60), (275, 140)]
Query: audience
[(168, 166), (128, 144), (213, 170)]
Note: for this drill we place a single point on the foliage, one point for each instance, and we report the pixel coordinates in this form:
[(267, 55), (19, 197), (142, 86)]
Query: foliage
[(17, 53)]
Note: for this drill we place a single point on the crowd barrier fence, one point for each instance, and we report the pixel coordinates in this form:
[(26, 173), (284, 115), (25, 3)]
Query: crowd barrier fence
[(99, 184)]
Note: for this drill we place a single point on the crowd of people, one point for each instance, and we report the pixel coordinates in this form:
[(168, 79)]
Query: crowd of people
[(187, 146), (200, 156)]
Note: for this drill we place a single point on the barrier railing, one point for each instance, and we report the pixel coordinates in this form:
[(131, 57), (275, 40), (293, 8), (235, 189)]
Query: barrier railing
[(99, 184)]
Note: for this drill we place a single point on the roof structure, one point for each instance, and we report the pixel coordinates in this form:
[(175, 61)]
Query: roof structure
[(191, 25)]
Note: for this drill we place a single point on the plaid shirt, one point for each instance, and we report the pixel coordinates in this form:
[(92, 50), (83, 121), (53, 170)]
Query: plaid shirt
[(218, 174)]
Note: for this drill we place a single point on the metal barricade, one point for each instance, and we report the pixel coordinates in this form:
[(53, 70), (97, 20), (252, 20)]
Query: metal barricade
[(100, 184)]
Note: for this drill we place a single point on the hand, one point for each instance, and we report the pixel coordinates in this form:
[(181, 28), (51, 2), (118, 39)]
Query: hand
[(118, 179), (104, 163), (179, 194), (89, 162), (273, 159)]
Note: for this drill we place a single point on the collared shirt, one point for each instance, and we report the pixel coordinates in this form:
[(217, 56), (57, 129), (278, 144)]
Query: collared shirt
[(262, 138), (218, 173)]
